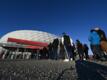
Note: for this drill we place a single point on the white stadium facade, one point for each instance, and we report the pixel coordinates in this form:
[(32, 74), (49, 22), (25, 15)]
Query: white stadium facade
[(27, 38), (22, 42)]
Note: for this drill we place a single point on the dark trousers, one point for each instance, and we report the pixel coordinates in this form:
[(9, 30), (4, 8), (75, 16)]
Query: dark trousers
[(55, 52), (86, 54), (81, 53), (69, 51), (97, 52)]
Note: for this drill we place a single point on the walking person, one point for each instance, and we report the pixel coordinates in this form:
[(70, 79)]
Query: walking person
[(73, 51), (86, 51), (50, 50), (103, 39), (80, 49), (55, 48), (94, 39), (62, 51), (45, 54), (67, 42)]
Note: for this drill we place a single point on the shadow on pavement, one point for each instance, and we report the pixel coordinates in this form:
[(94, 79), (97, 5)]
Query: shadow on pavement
[(61, 74), (90, 71)]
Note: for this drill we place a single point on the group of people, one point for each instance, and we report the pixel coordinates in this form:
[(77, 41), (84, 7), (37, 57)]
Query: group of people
[(69, 50), (65, 49)]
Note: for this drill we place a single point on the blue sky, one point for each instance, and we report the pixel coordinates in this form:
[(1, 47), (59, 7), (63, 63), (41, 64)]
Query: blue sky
[(75, 17)]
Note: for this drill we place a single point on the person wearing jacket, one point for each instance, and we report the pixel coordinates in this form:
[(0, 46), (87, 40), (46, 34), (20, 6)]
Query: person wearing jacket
[(55, 48), (103, 41), (68, 43), (94, 39), (86, 51), (80, 49)]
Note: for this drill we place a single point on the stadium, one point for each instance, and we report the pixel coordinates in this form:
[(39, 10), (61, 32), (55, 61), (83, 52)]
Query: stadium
[(24, 42)]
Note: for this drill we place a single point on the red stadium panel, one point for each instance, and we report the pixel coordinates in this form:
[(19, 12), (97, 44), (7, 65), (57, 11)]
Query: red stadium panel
[(27, 42), (34, 47)]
